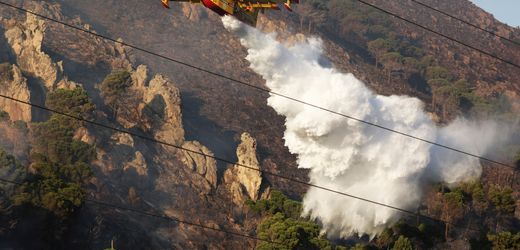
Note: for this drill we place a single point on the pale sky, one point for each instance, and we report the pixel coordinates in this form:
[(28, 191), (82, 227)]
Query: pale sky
[(507, 11)]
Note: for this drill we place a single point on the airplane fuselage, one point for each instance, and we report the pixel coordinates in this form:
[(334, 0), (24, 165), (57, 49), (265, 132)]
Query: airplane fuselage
[(244, 10)]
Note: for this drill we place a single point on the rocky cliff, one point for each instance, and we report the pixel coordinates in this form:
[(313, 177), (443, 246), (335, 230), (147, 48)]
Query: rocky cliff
[(245, 179), (25, 40), (14, 84), (42, 58), (186, 108)]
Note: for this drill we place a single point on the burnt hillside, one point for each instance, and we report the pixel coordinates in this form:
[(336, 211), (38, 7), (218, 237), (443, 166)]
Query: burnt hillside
[(44, 62)]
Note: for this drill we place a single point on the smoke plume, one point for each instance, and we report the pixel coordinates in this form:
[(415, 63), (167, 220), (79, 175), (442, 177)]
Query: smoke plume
[(352, 157)]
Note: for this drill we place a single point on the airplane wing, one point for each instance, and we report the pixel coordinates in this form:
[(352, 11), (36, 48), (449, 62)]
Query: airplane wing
[(266, 4), (244, 10), (166, 3)]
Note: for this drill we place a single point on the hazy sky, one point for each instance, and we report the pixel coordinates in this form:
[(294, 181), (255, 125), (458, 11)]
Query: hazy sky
[(506, 11)]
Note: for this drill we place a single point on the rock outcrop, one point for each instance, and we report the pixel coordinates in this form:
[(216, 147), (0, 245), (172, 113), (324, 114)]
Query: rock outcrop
[(123, 139), (138, 164), (153, 105), (203, 165), (244, 183), (84, 135), (25, 40), (14, 85), (162, 97)]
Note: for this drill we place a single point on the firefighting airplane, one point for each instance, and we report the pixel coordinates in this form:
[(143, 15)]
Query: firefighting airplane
[(244, 10)]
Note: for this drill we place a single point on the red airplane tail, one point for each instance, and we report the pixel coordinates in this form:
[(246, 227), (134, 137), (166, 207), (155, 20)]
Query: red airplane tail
[(287, 7), (165, 3)]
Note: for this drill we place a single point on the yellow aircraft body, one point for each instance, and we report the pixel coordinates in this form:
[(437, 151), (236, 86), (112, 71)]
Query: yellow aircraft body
[(244, 10)]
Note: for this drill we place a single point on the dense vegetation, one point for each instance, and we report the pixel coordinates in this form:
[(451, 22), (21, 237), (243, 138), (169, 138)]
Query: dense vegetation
[(12, 170), (371, 34), (59, 164), (282, 223), (504, 240), (488, 204), (114, 87)]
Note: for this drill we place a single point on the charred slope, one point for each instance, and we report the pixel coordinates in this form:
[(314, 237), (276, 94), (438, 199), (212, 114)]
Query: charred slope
[(124, 170), (193, 35)]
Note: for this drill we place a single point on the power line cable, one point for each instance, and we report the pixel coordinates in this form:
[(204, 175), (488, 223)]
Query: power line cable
[(466, 22), (160, 216), (261, 89), (110, 205), (264, 90), (441, 34), (153, 140)]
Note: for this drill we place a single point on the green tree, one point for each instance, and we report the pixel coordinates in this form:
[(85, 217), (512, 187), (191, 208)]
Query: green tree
[(291, 233), (402, 243), (10, 169), (377, 48), (282, 223), (452, 209), (505, 240), (438, 72), (114, 87), (385, 239), (278, 203), (72, 102), (478, 196), (61, 163), (392, 61), (502, 199)]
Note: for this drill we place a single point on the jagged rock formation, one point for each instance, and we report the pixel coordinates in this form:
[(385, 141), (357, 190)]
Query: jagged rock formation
[(127, 170), (26, 41), (138, 164), (155, 177), (13, 84), (162, 96), (153, 105), (159, 109), (244, 183), (203, 165)]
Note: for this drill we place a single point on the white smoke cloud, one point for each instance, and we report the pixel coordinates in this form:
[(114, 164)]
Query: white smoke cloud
[(351, 157)]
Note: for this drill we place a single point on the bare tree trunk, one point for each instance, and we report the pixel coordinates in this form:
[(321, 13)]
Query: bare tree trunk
[(513, 179), (433, 107), (446, 218), (444, 111), (469, 224), (116, 110), (446, 228)]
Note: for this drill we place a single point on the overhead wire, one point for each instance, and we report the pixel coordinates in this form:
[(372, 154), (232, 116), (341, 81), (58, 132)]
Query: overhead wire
[(256, 87), (516, 65), (153, 140), (161, 216), (235, 163), (465, 22), (262, 89)]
